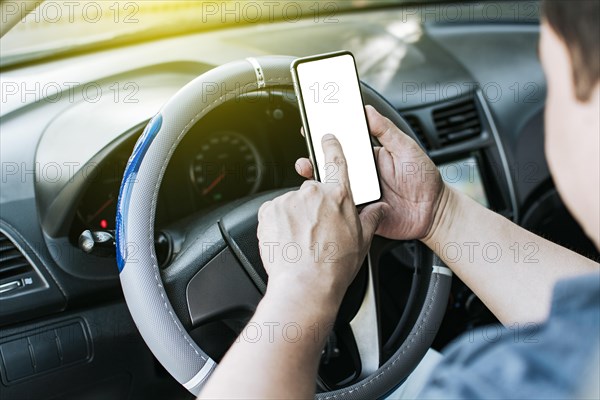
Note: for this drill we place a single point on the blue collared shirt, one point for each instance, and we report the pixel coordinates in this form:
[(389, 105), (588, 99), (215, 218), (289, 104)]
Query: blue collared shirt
[(556, 359)]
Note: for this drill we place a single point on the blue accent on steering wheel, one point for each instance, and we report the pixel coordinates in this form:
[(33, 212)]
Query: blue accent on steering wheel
[(129, 178)]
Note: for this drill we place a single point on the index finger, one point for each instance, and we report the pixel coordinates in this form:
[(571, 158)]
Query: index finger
[(335, 168)]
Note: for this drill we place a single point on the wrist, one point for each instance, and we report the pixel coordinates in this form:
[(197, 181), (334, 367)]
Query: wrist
[(444, 214), (301, 303)]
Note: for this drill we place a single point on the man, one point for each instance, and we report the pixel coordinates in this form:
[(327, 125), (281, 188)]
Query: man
[(561, 292)]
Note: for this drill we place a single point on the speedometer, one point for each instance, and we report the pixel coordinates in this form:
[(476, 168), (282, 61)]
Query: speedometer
[(226, 166)]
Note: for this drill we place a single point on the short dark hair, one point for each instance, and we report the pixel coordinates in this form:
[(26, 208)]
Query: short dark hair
[(576, 23)]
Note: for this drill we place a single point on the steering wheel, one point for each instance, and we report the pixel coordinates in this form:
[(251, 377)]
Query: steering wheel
[(219, 269)]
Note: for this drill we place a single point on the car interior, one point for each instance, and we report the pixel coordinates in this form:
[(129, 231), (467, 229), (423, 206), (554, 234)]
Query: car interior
[(79, 87)]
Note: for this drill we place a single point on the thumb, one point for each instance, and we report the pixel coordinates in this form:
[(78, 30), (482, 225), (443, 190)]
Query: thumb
[(370, 218)]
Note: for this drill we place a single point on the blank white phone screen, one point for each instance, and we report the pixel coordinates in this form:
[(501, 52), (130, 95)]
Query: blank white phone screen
[(333, 104)]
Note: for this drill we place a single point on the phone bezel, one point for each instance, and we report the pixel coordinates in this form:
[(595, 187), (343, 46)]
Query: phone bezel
[(307, 134)]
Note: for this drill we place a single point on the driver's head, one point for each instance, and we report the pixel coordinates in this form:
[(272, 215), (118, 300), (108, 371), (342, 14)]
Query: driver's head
[(570, 55)]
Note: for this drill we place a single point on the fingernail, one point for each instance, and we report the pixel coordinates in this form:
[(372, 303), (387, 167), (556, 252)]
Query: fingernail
[(328, 136)]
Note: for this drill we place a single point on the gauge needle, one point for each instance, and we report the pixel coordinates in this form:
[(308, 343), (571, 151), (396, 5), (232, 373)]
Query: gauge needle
[(102, 207), (214, 183)]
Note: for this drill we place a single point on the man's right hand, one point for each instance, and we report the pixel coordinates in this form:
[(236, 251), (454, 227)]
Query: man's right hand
[(413, 191)]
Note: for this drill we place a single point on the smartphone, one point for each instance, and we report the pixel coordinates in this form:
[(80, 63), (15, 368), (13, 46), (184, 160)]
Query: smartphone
[(330, 100)]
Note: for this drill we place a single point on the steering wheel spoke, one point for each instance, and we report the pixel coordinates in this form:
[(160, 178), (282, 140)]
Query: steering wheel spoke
[(217, 274), (220, 290), (365, 328)]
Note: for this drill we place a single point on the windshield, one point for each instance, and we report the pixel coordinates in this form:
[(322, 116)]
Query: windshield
[(56, 27)]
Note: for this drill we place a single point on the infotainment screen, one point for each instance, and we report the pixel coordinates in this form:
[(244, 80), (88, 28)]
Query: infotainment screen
[(464, 175)]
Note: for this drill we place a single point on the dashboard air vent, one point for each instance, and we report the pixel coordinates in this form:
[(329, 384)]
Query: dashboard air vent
[(417, 128), (457, 122), (12, 261)]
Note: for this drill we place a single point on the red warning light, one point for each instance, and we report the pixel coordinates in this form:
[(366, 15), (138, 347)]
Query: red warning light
[(103, 224)]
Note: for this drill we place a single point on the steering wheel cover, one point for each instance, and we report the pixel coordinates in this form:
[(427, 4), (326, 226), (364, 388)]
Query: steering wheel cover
[(140, 276)]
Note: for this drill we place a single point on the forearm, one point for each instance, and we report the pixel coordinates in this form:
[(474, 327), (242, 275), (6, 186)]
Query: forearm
[(512, 270), (278, 356)]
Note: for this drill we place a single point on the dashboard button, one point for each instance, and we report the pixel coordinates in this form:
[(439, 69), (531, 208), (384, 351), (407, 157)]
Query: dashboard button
[(16, 359), (45, 351), (73, 343)]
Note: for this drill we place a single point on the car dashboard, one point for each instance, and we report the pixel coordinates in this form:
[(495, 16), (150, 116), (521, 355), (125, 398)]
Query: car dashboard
[(472, 90)]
